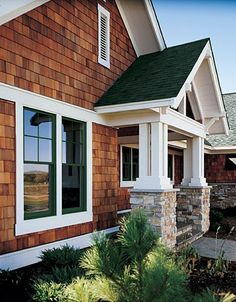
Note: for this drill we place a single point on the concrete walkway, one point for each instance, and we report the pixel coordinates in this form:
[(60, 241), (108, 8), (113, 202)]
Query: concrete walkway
[(207, 247)]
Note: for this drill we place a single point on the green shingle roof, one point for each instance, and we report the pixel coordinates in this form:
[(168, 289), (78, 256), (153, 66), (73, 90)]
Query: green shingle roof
[(154, 76), (221, 140)]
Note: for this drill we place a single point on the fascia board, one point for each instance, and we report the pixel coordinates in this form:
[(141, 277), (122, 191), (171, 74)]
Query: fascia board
[(10, 10), (135, 106)]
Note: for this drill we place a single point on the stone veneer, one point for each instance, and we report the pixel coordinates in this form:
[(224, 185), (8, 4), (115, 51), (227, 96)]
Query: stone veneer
[(223, 195), (193, 206), (160, 207)]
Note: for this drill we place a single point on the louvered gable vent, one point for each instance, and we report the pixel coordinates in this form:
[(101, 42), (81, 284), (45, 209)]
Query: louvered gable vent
[(103, 36)]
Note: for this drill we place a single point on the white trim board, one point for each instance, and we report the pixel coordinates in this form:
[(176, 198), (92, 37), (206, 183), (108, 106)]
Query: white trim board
[(30, 256), (11, 9)]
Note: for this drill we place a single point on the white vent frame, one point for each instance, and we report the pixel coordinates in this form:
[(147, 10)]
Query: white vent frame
[(102, 12)]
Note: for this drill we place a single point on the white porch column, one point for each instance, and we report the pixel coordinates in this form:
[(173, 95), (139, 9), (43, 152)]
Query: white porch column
[(154, 178), (187, 163), (198, 179)]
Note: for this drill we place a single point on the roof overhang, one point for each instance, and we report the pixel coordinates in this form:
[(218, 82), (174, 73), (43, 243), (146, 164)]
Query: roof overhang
[(11, 9), (142, 25), (203, 80)]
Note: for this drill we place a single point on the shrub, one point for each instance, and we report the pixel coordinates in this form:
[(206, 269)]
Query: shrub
[(64, 275), (49, 292), (133, 267), (188, 258), (61, 257)]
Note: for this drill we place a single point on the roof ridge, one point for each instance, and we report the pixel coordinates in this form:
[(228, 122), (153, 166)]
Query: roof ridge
[(187, 43), (227, 93)]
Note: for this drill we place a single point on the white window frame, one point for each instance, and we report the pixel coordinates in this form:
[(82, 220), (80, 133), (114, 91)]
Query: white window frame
[(173, 166), (125, 183), (60, 109), (104, 12)]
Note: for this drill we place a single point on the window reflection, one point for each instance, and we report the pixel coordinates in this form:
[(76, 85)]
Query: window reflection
[(36, 188), (73, 164)]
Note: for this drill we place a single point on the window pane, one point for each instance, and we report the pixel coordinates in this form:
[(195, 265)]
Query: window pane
[(73, 148), (170, 166), (64, 152), (135, 163), (67, 130), (45, 125), (71, 186), (36, 188), (45, 150), (126, 163), (30, 127), (31, 149)]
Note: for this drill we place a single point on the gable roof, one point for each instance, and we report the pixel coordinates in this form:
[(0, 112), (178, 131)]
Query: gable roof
[(221, 140), (155, 76)]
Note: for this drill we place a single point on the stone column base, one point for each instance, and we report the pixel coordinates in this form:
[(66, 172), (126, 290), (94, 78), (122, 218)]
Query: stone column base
[(193, 207), (160, 207)]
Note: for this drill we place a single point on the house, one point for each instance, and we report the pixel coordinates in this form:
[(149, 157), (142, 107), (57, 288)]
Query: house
[(220, 160), (92, 106)]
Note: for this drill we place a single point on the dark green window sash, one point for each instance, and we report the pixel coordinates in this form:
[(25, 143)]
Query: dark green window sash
[(82, 166), (52, 166)]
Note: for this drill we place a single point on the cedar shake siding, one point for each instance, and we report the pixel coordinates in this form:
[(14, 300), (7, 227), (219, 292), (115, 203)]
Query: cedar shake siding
[(215, 169), (53, 50)]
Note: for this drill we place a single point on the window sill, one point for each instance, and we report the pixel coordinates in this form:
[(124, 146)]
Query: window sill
[(127, 184), (52, 222)]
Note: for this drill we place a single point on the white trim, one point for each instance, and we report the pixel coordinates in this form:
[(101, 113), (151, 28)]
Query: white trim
[(135, 106), (41, 224), (103, 12), (10, 10), (155, 25), (28, 98), (122, 13), (30, 256), (123, 211)]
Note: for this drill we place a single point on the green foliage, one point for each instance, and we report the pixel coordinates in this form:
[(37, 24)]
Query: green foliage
[(61, 257), (218, 266), (134, 267), (49, 292), (13, 284), (215, 218), (206, 296), (188, 258), (64, 275)]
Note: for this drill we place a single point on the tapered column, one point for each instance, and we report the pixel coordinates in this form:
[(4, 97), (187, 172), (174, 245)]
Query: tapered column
[(187, 163), (156, 149), (198, 179)]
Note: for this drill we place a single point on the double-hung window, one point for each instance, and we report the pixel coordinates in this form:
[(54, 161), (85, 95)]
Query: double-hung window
[(130, 165), (53, 175)]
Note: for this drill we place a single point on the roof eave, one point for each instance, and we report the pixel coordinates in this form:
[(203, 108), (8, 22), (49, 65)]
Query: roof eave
[(13, 9), (135, 106)]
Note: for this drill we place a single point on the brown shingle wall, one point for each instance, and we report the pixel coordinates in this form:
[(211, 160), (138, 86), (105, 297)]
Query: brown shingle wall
[(215, 171), (105, 177), (52, 50)]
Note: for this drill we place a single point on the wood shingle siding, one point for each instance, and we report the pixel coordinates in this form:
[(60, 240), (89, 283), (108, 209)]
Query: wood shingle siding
[(52, 50)]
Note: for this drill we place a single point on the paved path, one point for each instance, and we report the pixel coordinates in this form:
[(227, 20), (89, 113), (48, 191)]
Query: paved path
[(207, 247)]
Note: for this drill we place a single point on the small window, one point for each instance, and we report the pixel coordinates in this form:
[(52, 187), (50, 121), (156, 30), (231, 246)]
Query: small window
[(39, 164), (130, 164), (103, 36)]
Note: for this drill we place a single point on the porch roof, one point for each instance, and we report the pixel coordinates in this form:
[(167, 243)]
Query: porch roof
[(155, 76)]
